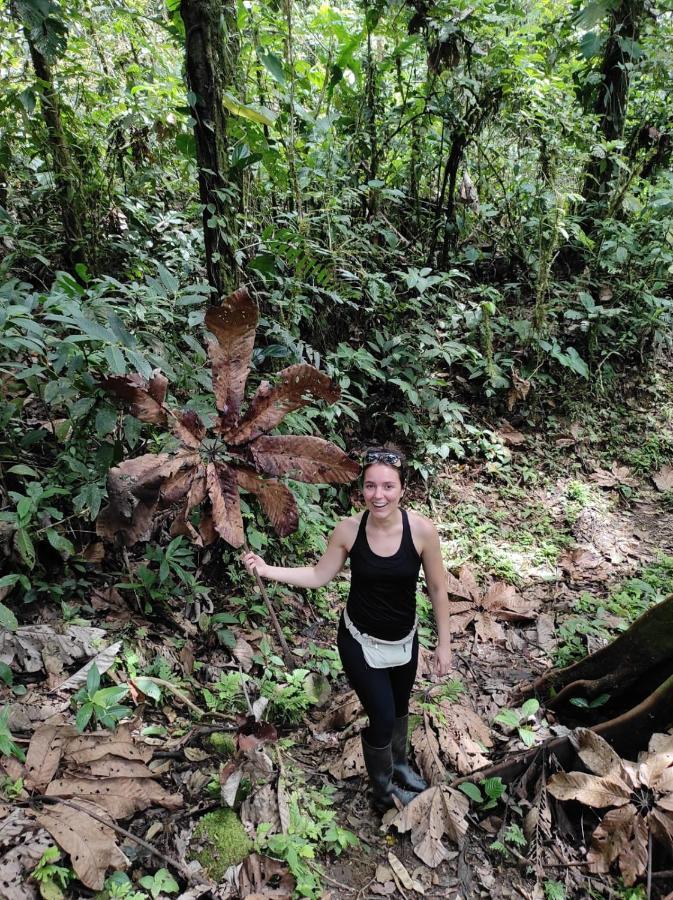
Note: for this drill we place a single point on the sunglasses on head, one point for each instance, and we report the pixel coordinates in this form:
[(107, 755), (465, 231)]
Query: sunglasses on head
[(388, 457)]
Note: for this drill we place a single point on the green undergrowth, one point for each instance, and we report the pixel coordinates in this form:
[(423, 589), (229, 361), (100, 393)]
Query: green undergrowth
[(603, 617), (312, 831)]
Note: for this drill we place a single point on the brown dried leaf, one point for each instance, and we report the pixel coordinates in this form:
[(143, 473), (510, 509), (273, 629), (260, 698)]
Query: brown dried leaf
[(91, 844), (21, 858), (426, 751), (121, 797), (46, 748), (598, 756), (262, 877), (633, 858), (462, 736), (465, 585), (189, 427), (234, 324), (592, 790), (270, 404), (436, 812), (310, 459), (351, 762), (223, 493), (141, 395), (275, 498), (88, 748), (243, 653), (519, 390), (610, 838), (663, 480)]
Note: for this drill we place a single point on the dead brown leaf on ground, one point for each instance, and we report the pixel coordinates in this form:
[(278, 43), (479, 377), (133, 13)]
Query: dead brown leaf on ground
[(262, 877), (104, 775), (663, 480), (616, 476), (351, 762), (427, 753), (625, 830), (500, 602), (432, 815), (462, 736)]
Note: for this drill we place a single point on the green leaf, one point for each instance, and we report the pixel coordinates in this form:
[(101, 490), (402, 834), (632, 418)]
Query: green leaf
[(108, 697), (8, 621), (508, 717), (92, 680), (115, 360), (58, 542), (6, 673), (471, 791), (106, 419), (259, 114), (527, 735), (24, 545), (148, 687), (273, 65), (84, 713), (530, 707), (20, 469), (493, 787)]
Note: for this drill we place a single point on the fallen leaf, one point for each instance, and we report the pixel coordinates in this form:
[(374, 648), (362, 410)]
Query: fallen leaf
[(44, 752), (351, 762), (90, 844), (436, 812), (103, 661), (663, 480)]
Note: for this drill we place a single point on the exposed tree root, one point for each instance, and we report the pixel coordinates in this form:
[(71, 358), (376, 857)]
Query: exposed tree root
[(626, 670), (644, 649)]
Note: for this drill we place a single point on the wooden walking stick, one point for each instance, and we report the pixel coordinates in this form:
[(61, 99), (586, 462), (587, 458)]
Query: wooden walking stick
[(287, 655)]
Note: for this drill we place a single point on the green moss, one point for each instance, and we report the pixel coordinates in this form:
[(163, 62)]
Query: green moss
[(222, 743), (223, 842)]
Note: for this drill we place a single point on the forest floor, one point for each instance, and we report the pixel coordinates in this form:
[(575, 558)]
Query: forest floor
[(555, 545)]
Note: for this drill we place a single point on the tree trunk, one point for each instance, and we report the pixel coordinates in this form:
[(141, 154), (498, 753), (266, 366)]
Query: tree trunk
[(66, 178), (612, 93), (211, 54)]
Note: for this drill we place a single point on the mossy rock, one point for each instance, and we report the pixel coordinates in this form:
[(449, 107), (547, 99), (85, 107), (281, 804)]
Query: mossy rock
[(223, 744), (222, 841)]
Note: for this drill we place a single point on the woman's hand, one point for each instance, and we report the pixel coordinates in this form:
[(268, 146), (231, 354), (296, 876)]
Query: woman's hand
[(441, 660), (254, 563)]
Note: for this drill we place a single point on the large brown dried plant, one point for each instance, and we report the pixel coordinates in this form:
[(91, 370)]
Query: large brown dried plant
[(640, 796), (208, 468)]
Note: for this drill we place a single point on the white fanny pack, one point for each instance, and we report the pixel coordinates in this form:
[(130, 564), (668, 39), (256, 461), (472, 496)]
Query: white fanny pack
[(380, 654)]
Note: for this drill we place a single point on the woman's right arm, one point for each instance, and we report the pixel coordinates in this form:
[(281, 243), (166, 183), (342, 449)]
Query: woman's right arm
[(329, 564)]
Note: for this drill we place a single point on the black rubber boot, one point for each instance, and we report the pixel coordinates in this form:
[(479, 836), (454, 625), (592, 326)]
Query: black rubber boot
[(402, 772), (379, 765)]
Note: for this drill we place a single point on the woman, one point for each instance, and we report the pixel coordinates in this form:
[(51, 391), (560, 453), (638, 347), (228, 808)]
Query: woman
[(377, 638)]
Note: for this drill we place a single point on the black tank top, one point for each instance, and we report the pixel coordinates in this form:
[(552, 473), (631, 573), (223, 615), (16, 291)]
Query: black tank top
[(382, 598)]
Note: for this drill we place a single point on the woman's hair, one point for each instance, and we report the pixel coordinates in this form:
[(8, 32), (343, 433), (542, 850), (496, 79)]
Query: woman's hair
[(388, 455)]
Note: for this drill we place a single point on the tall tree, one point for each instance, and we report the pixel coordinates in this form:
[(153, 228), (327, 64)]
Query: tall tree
[(212, 51), (45, 33), (611, 95)]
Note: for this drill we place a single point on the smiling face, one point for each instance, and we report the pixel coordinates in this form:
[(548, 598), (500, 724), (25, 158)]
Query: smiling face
[(382, 490)]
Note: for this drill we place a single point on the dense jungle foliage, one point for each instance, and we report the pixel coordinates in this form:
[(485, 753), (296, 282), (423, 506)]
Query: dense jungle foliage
[(436, 203), (460, 212)]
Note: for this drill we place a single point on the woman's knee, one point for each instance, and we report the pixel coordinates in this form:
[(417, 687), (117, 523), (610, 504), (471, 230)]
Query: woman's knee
[(380, 730)]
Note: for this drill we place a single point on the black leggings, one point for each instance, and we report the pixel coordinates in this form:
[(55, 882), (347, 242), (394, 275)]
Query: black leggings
[(384, 693)]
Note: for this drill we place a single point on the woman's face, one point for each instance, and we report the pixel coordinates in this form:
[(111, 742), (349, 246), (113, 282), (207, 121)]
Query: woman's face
[(382, 490)]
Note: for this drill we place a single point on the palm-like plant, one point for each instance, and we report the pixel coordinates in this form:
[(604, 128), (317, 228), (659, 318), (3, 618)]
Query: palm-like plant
[(207, 469)]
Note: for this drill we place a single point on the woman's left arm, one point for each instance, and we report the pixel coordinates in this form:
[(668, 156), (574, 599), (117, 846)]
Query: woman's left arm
[(435, 577)]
